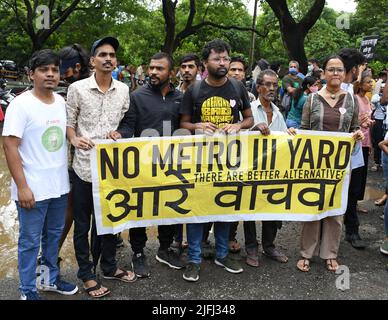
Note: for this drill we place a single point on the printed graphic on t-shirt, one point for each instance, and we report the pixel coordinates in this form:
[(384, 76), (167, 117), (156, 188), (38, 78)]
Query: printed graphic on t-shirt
[(218, 111), (52, 139)]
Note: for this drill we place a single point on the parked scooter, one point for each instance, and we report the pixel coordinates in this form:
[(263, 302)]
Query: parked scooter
[(6, 96)]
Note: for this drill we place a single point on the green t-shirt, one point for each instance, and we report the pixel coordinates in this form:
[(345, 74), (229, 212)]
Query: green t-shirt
[(288, 81)]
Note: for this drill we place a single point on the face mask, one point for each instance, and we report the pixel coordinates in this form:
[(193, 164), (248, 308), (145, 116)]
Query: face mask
[(310, 67), (71, 79), (293, 71), (314, 89)]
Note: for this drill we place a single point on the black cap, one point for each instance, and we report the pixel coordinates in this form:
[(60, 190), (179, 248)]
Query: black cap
[(107, 40)]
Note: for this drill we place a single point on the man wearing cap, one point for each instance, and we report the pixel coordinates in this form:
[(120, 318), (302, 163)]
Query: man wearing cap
[(95, 107)]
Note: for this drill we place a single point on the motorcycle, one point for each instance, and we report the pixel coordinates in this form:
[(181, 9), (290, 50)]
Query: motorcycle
[(6, 96)]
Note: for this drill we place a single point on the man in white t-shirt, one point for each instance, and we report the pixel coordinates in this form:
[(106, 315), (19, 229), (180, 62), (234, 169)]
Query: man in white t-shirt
[(36, 152)]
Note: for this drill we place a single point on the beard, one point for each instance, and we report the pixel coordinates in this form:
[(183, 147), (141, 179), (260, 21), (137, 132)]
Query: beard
[(159, 85), (71, 79), (218, 73)]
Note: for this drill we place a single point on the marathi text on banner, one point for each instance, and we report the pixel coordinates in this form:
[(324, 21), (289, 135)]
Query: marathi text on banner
[(188, 179)]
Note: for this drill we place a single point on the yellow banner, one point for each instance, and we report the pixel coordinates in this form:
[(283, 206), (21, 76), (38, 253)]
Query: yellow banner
[(188, 179)]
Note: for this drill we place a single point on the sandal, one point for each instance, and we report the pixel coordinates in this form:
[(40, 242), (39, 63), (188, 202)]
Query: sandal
[(361, 209), (303, 265), (332, 265), (120, 276), (381, 202), (234, 246), (95, 288)]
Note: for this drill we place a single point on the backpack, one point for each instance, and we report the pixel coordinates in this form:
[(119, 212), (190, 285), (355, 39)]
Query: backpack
[(286, 103)]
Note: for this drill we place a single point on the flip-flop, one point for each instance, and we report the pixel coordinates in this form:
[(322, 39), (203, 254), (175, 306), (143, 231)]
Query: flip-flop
[(120, 276), (306, 265), (330, 266), (96, 287)]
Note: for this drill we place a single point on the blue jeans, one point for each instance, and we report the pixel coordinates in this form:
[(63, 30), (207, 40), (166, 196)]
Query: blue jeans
[(194, 239), (384, 158), (45, 222)]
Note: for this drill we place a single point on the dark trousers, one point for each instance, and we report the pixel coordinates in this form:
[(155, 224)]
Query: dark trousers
[(377, 136), (356, 192), (268, 233), (104, 245), (178, 234), (138, 237)]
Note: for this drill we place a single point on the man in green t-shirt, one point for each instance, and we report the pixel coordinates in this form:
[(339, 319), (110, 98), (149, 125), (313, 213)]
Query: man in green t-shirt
[(290, 83)]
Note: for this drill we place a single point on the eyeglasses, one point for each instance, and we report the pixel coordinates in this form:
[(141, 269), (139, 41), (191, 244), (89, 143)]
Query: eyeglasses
[(218, 60), (334, 70), (268, 85)]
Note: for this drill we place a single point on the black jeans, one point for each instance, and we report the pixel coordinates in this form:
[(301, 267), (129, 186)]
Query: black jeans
[(377, 136), (268, 234), (138, 237), (104, 246), (356, 192)]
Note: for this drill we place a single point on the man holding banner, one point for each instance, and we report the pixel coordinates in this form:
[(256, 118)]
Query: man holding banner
[(154, 110), (209, 106), (95, 107), (267, 117)]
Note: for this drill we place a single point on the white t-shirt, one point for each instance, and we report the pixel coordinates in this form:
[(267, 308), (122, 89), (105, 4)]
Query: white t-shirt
[(43, 150)]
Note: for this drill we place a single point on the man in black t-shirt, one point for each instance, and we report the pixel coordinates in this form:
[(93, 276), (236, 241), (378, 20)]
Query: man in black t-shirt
[(209, 106)]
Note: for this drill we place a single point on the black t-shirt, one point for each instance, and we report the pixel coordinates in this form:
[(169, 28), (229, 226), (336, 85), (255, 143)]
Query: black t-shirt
[(218, 105)]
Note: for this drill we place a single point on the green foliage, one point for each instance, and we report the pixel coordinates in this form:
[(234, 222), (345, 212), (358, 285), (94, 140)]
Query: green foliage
[(139, 26), (378, 66), (370, 18)]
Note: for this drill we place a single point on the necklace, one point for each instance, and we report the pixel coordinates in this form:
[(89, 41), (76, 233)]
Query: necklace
[(333, 95)]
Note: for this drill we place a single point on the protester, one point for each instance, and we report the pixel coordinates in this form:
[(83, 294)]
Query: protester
[(74, 66), (355, 63), (237, 70), (294, 117), (331, 109), (151, 107), (216, 91), (313, 65), (359, 175), (36, 153), (74, 63), (384, 147), (188, 69), (126, 77), (85, 123), (290, 83), (267, 118)]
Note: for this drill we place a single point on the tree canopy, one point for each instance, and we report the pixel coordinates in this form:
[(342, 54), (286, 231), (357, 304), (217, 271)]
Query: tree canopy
[(294, 28)]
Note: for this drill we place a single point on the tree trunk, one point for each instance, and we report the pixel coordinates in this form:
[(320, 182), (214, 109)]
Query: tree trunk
[(169, 8), (293, 40), (293, 34), (252, 49)]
